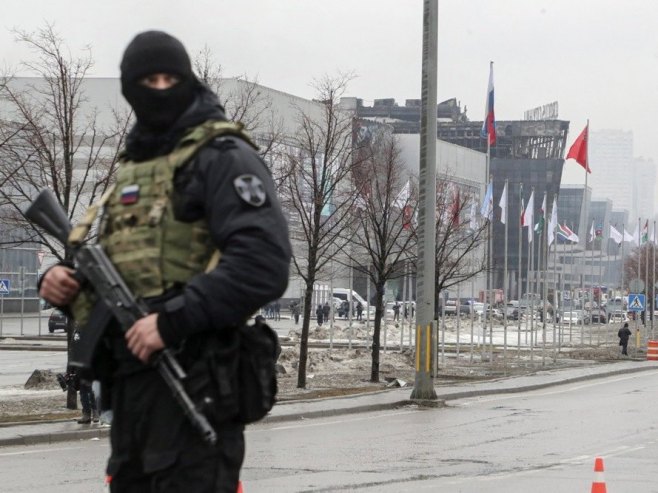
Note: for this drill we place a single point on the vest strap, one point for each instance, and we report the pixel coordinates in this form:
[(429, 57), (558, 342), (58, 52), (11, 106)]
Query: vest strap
[(81, 229)]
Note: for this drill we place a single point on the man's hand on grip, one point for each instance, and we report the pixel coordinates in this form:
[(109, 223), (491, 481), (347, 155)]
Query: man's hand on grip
[(59, 287), (143, 338)]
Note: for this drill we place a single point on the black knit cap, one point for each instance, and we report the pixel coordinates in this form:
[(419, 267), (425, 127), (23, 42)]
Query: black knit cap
[(153, 52)]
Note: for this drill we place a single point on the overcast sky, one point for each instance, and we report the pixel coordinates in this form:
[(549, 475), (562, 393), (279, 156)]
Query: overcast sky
[(597, 58)]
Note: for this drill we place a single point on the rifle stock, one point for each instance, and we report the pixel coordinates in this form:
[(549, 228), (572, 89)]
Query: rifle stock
[(45, 212), (115, 300)]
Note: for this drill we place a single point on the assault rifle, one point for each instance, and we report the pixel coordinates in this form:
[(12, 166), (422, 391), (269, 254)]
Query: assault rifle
[(115, 301)]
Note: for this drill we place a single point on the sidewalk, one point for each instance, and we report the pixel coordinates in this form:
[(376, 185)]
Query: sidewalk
[(59, 431)]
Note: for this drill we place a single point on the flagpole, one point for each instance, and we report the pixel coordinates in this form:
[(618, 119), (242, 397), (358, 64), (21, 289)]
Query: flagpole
[(623, 230), (542, 246), (490, 243), (571, 286), (519, 281), (527, 280), (646, 276), (639, 261), (555, 299), (591, 283), (505, 287), (653, 279), (544, 293), (586, 219), (533, 288)]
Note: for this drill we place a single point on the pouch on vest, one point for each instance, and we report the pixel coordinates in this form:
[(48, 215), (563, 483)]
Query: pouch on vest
[(259, 350)]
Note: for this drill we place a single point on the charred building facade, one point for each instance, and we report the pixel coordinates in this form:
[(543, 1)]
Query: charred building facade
[(529, 155)]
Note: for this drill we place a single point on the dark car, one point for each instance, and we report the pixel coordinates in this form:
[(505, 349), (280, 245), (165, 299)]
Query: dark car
[(598, 316), (57, 321)]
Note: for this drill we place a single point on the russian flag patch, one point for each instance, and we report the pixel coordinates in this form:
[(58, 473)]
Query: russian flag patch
[(129, 194)]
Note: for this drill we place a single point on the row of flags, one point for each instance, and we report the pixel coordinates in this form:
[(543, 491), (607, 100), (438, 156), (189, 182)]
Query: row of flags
[(639, 238), (578, 152)]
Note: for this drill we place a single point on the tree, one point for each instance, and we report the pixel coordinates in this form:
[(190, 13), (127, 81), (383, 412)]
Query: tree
[(50, 139), (458, 242), (640, 265), (382, 223), (316, 190), (244, 101)]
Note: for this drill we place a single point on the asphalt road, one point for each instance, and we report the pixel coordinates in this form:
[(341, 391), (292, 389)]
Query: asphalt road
[(541, 441)]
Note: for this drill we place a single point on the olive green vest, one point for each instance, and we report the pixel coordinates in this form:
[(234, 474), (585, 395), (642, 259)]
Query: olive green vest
[(139, 233)]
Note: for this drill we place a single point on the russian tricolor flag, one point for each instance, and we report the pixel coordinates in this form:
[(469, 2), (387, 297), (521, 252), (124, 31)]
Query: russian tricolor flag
[(489, 123)]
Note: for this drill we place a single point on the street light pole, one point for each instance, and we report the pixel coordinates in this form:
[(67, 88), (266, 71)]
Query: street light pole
[(425, 285)]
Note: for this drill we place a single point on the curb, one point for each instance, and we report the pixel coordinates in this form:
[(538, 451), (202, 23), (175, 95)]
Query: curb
[(61, 436), (92, 433)]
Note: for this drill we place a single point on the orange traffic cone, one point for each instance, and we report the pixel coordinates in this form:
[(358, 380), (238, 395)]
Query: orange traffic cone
[(598, 486), (240, 490)]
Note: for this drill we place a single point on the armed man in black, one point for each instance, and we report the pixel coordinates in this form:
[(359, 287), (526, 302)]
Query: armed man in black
[(195, 229)]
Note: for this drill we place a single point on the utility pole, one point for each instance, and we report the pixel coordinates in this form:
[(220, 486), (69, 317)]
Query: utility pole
[(425, 285)]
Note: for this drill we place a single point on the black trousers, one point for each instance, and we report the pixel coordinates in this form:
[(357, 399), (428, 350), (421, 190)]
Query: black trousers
[(624, 347), (155, 449), (87, 399)]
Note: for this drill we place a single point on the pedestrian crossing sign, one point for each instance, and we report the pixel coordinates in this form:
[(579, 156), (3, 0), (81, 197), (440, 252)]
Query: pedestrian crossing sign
[(636, 302), (4, 286)]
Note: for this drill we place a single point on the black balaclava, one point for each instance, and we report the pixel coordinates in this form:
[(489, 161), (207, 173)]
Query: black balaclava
[(153, 52)]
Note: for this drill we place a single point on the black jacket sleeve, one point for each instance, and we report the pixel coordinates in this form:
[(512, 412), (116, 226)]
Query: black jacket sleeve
[(253, 240)]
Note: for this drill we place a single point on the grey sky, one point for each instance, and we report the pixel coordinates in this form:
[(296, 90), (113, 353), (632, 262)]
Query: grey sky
[(598, 58)]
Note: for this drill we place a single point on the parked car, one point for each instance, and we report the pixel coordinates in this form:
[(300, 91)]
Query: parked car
[(465, 309), (57, 321), (598, 316), (618, 317), (575, 317), (511, 307)]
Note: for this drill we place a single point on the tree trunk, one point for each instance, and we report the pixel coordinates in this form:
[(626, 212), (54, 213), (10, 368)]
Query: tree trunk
[(379, 315), (303, 343)]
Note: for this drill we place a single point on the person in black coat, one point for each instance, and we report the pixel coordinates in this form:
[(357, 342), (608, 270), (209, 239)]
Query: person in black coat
[(225, 188), (319, 312), (624, 334)]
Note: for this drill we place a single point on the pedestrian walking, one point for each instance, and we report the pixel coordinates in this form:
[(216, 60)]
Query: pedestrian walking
[(359, 310), (294, 310), (326, 311), (319, 313), (277, 310), (188, 184), (396, 311), (624, 334)]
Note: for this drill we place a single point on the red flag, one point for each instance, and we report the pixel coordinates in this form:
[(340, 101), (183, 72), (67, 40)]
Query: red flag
[(456, 207), (406, 216), (578, 150)]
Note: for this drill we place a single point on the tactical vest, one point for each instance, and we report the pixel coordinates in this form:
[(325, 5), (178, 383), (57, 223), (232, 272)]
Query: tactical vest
[(151, 249)]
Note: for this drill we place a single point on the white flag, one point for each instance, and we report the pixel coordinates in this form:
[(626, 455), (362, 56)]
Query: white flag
[(486, 210), (402, 198), (616, 235), (473, 219), (529, 216), (628, 236), (503, 205), (552, 224), (592, 233)]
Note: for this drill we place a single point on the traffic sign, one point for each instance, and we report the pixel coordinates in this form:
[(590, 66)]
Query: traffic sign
[(4, 286), (636, 302)]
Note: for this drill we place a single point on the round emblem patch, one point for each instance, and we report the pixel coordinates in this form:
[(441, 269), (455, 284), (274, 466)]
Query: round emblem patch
[(250, 188)]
